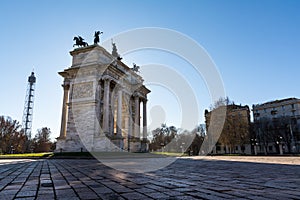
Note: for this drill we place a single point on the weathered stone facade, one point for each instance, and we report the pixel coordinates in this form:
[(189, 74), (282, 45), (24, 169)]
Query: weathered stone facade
[(102, 104), (277, 126), (236, 128)]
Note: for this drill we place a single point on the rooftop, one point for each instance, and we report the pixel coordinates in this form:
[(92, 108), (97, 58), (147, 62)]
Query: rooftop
[(278, 101)]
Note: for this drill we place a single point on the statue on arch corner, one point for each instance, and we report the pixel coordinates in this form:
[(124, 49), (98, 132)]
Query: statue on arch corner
[(115, 51), (135, 68), (97, 36)]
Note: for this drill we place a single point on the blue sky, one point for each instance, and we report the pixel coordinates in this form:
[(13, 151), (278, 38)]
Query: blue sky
[(254, 44)]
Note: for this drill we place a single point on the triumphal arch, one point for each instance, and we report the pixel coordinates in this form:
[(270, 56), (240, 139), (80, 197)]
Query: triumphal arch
[(104, 103)]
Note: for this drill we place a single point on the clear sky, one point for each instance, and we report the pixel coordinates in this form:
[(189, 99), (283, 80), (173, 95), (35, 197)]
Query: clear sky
[(254, 44)]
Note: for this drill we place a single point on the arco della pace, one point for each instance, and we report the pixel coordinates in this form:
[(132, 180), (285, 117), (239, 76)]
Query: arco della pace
[(104, 104)]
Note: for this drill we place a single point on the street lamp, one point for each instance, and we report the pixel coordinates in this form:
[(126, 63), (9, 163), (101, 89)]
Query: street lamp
[(162, 147), (182, 147), (12, 149), (254, 144), (279, 143)]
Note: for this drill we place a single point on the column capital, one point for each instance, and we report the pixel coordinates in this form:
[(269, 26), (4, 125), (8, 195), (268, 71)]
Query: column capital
[(107, 78), (66, 86), (120, 87), (136, 94)]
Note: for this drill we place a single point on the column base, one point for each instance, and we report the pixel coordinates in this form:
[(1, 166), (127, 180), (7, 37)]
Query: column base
[(144, 145), (134, 144), (69, 145), (108, 144), (60, 138)]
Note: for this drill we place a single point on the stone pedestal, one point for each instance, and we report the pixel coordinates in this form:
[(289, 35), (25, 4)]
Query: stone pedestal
[(134, 144), (104, 144), (70, 145), (144, 145)]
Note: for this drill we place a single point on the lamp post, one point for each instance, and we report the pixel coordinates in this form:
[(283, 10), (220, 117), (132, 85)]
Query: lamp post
[(292, 139), (279, 143), (182, 147), (254, 144), (162, 147)]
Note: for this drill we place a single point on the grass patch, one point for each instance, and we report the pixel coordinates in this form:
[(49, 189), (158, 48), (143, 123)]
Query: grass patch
[(27, 155), (169, 154)]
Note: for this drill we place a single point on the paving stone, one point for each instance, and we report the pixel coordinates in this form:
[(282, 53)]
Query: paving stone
[(204, 195), (13, 187), (9, 192), (45, 197), (173, 193), (87, 195), (157, 195), (121, 189), (43, 191), (103, 190), (184, 189), (9, 196), (25, 198), (111, 196), (65, 193), (144, 190), (134, 195), (27, 193)]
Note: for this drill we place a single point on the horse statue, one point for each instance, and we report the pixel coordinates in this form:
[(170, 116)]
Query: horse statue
[(135, 68), (97, 36), (79, 42)]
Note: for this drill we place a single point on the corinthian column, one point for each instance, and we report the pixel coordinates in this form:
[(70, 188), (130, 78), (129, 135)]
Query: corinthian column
[(137, 117), (130, 118), (106, 106), (144, 119), (98, 110), (64, 111), (119, 112)]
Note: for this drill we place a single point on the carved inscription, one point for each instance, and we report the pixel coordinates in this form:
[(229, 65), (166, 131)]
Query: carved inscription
[(82, 90)]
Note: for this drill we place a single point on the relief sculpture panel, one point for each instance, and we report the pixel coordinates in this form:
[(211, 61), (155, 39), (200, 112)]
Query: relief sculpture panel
[(82, 90)]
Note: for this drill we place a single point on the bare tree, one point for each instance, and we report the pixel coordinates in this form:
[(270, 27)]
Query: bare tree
[(12, 138), (42, 141), (162, 136)]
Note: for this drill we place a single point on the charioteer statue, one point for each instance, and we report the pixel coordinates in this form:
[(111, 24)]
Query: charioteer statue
[(79, 42)]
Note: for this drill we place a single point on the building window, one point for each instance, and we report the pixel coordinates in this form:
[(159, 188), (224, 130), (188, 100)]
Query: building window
[(270, 148), (243, 148), (273, 112), (256, 114)]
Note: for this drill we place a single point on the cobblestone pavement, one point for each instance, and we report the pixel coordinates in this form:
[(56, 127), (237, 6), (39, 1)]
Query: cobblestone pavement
[(184, 179)]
